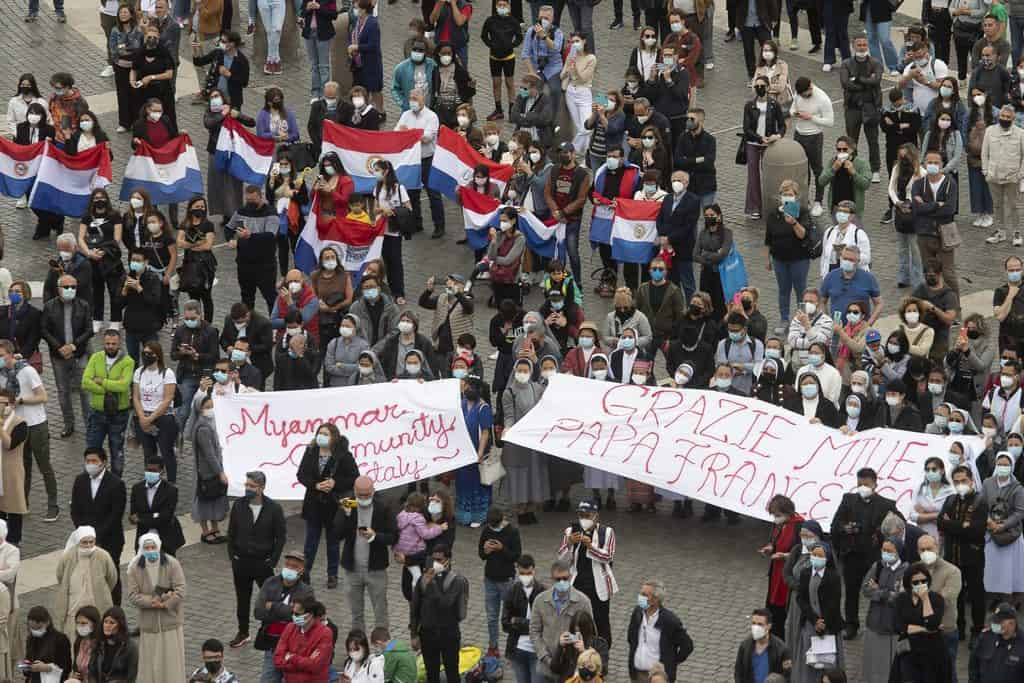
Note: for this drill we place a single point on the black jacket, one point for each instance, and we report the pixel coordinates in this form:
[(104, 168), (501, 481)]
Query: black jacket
[(387, 352), (777, 654), (826, 410), (340, 466), (296, 373), (501, 565), (261, 539), (964, 546), (928, 215), (501, 35), (79, 268), (909, 419), (260, 334), (774, 120), (143, 313), (513, 613), (689, 148), (386, 534), (680, 225), (124, 659), (71, 146), (997, 660), (318, 113), (237, 81), (23, 132), (829, 597), (438, 607), (857, 523), (161, 517), (672, 97), (540, 116), (104, 512), (25, 332), (675, 644), (204, 340), (81, 325)]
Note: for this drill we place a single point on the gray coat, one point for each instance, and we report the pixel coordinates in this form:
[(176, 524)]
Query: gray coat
[(1013, 494), (388, 319), (341, 360), (516, 401), (206, 445), (881, 611), (547, 625)]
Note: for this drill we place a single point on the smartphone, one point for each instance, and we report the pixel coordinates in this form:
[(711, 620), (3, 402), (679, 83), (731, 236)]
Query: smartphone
[(737, 299), (275, 169), (837, 318), (601, 99)]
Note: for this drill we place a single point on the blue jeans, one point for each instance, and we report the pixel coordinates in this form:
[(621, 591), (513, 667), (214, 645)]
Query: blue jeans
[(981, 196), (952, 639), (684, 277), (314, 527), (525, 666), (571, 248), (910, 270), (1016, 37), (880, 42), (494, 593), (319, 52), (100, 426), (272, 12), (707, 200), (33, 7), (270, 674), (188, 387), (791, 276)]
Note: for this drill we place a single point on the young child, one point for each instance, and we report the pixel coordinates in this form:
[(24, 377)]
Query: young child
[(413, 533), (357, 209)]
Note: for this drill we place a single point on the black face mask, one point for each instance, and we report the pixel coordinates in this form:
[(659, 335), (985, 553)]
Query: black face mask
[(252, 206), (710, 222), (472, 394), (100, 206), (213, 666), (198, 213), (566, 159), (112, 354), (747, 304), (904, 163), (149, 358), (761, 90), (1005, 123), (932, 280), (973, 334), (25, 90), (151, 43), (691, 124), (587, 674)]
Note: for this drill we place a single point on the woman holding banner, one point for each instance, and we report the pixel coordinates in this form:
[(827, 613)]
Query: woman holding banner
[(527, 470)]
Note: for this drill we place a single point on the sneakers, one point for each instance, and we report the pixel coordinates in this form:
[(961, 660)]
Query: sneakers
[(122, 129), (615, 25), (1018, 240), (240, 639), (709, 66), (22, 202), (794, 44), (814, 48), (978, 221), (887, 216), (827, 68), (876, 177), (497, 114), (332, 582), (251, 29), (817, 209), (107, 72), (30, 18), (754, 215), (52, 514), (987, 221), (268, 68), (996, 237), (730, 36), (62, 18)]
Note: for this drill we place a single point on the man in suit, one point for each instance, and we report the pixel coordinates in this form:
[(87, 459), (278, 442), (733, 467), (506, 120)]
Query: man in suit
[(153, 504), (98, 499), (894, 526), (677, 228), (367, 531), (857, 539), (242, 323)]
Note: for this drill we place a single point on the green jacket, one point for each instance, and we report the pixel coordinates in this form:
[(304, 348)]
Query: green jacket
[(399, 663), (861, 182), (97, 381)]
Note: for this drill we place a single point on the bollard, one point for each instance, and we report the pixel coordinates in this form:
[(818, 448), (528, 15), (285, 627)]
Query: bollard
[(784, 159), (341, 70)]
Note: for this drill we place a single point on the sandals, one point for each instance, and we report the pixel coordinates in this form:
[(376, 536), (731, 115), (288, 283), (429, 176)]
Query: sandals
[(213, 538)]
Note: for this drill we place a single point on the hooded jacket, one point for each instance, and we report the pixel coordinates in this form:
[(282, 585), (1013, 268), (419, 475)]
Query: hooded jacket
[(341, 359), (357, 378), (425, 373), (387, 348)]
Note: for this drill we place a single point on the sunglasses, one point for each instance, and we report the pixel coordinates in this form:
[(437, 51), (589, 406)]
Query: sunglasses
[(648, 137)]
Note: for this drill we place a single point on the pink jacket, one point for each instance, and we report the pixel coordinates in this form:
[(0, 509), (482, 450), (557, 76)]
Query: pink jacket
[(414, 532)]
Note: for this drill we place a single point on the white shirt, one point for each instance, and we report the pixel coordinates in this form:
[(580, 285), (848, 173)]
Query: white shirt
[(17, 112), (425, 119), (151, 494), (628, 358), (936, 69), (524, 643), (762, 117), (852, 235), (391, 200), (28, 382), (151, 386), (819, 106), (94, 482), (648, 649)]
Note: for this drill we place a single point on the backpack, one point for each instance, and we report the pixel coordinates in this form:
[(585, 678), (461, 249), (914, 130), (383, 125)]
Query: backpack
[(751, 344)]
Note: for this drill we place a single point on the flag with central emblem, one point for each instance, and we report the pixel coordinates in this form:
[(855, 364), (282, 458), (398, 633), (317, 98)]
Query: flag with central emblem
[(360, 149), (454, 161), (65, 182), (19, 165), (635, 231), (169, 173), (242, 154)]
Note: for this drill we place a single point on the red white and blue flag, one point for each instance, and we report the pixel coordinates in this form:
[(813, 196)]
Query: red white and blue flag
[(64, 182), (355, 241), (169, 173), (242, 154), (454, 161), (481, 213), (635, 231), (19, 165), (359, 150)]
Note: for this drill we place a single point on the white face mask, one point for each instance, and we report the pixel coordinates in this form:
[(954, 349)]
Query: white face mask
[(526, 580), (358, 102), (535, 157), (346, 331), (405, 327), (678, 187), (87, 124), (463, 121), (639, 379), (84, 631), (438, 567), (445, 61), (600, 374), (154, 228), (329, 265), (136, 203), (412, 368), (34, 119), (586, 524), (912, 317), (522, 377), (365, 370), (294, 287), (757, 631), (154, 116)]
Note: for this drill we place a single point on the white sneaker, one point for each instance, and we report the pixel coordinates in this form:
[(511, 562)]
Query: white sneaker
[(493, 356), (977, 222), (107, 72), (22, 202), (996, 237), (987, 221), (827, 68), (794, 44), (876, 178), (817, 210), (122, 129), (1018, 240), (709, 66)]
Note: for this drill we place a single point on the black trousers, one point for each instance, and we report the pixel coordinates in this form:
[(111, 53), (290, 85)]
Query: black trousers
[(14, 524), (115, 555), (940, 30), (778, 619), (974, 591), (634, 9), (254, 278), (855, 566), (812, 145), (244, 571), (748, 34), (441, 646)]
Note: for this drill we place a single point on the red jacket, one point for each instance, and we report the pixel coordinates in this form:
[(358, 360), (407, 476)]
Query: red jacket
[(574, 364), (311, 652), (312, 326), (783, 538)]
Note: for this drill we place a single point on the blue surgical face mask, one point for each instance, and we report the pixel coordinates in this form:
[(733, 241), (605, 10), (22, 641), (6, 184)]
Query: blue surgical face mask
[(1015, 451), (323, 441), (996, 627), (237, 355), (736, 336), (642, 602), (249, 493), (15, 298), (151, 478), (459, 373), (371, 294), (151, 555), (809, 390), (1014, 276), (956, 427), (853, 411), (889, 558), (932, 477), (586, 342), (289, 574), (1003, 471), (612, 163), (299, 620), (557, 305), (191, 323), (220, 377), (137, 266), (627, 343), (815, 359), (818, 562), (562, 586), (657, 274)]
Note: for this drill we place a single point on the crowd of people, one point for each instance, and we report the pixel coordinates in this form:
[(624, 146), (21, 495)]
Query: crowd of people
[(148, 366)]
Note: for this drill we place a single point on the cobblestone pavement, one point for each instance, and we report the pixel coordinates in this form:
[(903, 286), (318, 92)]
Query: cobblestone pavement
[(713, 574)]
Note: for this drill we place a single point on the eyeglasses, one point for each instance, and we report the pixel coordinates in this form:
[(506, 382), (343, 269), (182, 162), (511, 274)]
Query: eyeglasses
[(648, 35), (922, 582)]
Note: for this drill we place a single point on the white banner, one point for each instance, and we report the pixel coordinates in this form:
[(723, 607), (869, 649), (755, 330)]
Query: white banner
[(398, 432), (732, 451)]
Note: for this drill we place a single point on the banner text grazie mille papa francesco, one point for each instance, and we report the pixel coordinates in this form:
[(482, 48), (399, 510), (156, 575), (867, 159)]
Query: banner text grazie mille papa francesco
[(721, 447), (400, 429)]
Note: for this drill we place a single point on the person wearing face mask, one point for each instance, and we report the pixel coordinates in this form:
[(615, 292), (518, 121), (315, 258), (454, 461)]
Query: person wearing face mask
[(962, 522), (786, 523), (931, 496), (552, 615), (577, 76), (528, 478), (453, 91), (199, 265), (65, 105), (516, 614), (1003, 400), (922, 75), (304, 652), (811, 325), (318, 32), (361, 665), (141, 296), (88, 635), (993, 659), (32, 128), (417, 115), (968, 362), (919, 616), (607, 125), (296, 357), (901, 413), (341, 358), (1009, 306), (439, 603), (616, 178), (295, 295), (364, 50), (416, 72), (66, 327), (505, 255), (499, 547), (394, 349), (786, 236), (48, 649), (223, 191), (844, 231), (768, 387), (125, 42), (991, 77), (812, 402), (798, 559), (331, 108), (194, 346), (935, 204), (857, 413), (818, 597), (98, 500), (153, 504), (1004, 548), (534, 112), (86, 575), (741, 352), (695, 153), (562, 317), (17, 107), (213, 670), (852, 339), (368, 370), (588, 546), (151, 73), (377, 312), (1002, 163), (577, 359), (228, 72), (661, 302), (860, 76), (367, 533), (918, 334), (210, 503), (882, 584), (501, 33), (855, 526), (156, 586), (99, 239)]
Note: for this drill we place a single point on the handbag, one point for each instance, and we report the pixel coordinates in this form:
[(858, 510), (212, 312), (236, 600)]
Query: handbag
[(812, 242), (491, 469), (733, 273), (949, 235), (209, 489), (403, 222), (741, 152)]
